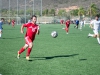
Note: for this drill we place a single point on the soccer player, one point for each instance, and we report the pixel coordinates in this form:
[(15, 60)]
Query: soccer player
[(81, 24), (95, 25), (13, 23), (61, 21), (32, 30), (1, 23), (77, 24), (9, 22), (67, 26)]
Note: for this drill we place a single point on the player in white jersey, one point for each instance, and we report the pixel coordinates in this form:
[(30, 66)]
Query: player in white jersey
[(95, 25), (81, 24)]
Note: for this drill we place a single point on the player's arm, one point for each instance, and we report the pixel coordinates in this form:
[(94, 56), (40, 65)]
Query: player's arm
[(91, 25), (38, 30), (22, 27)]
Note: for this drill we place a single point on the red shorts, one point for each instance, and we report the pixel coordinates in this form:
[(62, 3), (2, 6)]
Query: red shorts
[(67, 26), (28, 40), (13, 24)]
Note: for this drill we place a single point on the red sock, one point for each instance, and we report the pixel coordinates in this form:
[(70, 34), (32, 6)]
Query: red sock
[(28, 51), (21, 50), (66, 29)]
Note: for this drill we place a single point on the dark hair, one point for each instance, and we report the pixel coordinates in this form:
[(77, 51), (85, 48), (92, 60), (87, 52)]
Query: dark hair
[(2, 18), (97, 16), (33, 16)]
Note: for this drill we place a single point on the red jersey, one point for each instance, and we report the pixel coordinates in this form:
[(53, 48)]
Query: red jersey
[(13, 21), (31, 30), (67, 23), (61, 21)]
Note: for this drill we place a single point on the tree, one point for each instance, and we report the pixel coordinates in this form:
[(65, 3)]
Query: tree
[(21, 12), (92, 10), (4, 12), (46, 12), (62, 13), (81, 11), (52, 11), (74, 12), (29, 12)]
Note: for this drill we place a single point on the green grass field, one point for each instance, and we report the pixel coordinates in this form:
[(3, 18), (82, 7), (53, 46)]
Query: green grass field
[(72, 54)]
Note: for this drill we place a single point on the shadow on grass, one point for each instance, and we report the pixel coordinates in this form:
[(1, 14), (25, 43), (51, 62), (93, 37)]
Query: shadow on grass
[(51, 57), (82, 59), (13, 38)]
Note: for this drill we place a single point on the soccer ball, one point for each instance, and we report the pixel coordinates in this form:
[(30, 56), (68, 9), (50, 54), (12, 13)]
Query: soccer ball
[(54, 34)]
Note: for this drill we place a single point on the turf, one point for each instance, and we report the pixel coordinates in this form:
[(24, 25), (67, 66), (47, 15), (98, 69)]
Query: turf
[(68, 54)]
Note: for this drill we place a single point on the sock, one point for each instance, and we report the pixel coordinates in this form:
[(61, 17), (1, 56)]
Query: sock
[(80, 26), (21, 50), (28, 51), (90, 35), (66, 30), (0, 34), (98, 39)]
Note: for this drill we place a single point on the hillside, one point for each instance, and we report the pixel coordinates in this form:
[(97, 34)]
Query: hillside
[(68, 3), (48, 4)]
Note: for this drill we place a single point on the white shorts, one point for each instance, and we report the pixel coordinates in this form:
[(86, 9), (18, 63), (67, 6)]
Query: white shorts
[(96, 32)]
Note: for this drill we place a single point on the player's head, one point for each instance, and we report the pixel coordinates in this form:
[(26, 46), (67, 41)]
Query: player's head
[(97, 17), (34, 18), (2, 19)]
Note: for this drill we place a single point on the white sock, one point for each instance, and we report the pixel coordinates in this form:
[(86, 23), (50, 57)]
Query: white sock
[(90, 35), (0, 34), (98, 39), (80, 26)]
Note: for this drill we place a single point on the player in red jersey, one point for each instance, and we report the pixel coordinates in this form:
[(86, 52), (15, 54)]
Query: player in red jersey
[(67, 26), (61, 21), (32, 30), (13, 23)]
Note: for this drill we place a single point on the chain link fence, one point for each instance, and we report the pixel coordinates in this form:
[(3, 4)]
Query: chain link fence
[(20, 10)]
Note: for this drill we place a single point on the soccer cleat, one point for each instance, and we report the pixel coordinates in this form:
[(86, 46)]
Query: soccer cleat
[(63, 28), (66, 33), (18, 55), (27, 58), (88, 35)]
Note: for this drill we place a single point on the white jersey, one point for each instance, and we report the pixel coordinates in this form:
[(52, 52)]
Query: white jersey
[(96, 24), (82, 22)]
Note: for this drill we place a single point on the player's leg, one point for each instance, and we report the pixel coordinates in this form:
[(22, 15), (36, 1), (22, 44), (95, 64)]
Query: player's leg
[(96, 35), (30, 45), (84, 25), (77, 26), (29, 50), (93, 35), (67, 29), (80, 26), (98, 38), (90, 35), (22, 50), (12, 25)]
